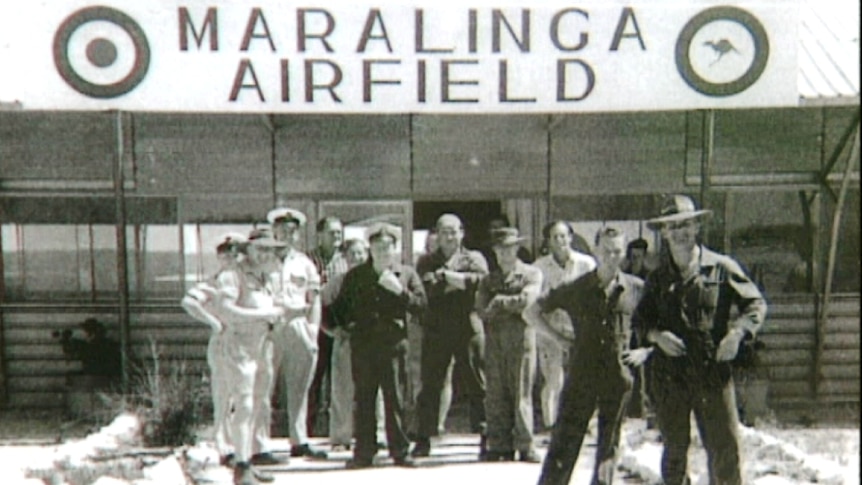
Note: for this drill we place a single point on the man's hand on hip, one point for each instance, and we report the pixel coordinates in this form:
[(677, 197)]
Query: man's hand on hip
[(668, 342)]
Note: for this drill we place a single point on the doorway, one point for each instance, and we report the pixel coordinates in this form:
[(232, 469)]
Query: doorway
[(474, 214)]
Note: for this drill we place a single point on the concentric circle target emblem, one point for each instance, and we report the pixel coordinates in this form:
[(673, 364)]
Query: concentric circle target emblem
[(722, 51), (101, 52)]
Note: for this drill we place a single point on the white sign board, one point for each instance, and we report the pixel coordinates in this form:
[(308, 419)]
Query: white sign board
[(397, 57)]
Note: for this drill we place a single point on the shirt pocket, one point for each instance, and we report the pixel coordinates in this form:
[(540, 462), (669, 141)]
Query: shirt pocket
[(709, 291)]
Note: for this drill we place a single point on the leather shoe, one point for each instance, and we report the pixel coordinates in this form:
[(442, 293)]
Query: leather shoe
[(422, 448), (405, 461), (267, 458), (227, 460), (356, 464), (308, 452)]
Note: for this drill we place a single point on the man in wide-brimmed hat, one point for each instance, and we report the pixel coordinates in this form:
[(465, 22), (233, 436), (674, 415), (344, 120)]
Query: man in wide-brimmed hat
[(685, 313), (510, 349)]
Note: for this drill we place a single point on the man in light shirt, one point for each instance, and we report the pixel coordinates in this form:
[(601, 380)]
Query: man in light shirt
[(561, 265)]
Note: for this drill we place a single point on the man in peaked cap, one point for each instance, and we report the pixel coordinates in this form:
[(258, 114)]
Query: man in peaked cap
[(510, 349), (686, 314), (373, 306), (296, 287)]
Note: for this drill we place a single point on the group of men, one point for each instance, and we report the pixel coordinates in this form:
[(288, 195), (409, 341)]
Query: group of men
[(590, 327)]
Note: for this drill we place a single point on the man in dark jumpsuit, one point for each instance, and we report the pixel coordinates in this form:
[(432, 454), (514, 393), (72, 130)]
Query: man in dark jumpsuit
[(686, 313), (451, 329), (600, 305), (373, 303)]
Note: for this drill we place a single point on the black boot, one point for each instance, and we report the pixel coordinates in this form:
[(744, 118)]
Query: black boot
[(422, 448)]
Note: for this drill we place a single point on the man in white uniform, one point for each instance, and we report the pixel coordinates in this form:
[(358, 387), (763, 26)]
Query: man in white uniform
[(297, 289), (248, 311), (199, 302)]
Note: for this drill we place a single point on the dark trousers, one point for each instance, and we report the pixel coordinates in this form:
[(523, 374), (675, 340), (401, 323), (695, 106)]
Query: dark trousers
[(319, 393), (510, 368), (378, 366), (439, 346), (715, 413), (590, 383)]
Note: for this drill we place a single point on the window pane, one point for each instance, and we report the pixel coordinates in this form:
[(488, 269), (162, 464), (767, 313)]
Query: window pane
[(13, 259), (54, 261), (103, 263), (154, 253)]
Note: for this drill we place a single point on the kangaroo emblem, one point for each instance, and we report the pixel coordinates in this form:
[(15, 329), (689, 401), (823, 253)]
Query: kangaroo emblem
[(722, 47)]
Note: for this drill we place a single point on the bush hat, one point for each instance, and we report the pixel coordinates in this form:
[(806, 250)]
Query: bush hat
[(677, 208)]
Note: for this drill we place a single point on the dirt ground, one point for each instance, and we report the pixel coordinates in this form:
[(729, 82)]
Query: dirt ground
[(772, 453)]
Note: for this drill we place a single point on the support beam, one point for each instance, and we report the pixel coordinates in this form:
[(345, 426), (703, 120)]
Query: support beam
[(4, 396), (836, 152), (122, 256), (706, 159)]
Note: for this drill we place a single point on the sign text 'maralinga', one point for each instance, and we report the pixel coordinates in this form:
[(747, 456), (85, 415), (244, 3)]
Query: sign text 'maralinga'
[(484, 37)]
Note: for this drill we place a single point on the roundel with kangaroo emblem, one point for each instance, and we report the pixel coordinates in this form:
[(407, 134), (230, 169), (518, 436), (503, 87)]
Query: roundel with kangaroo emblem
[(722, 51)]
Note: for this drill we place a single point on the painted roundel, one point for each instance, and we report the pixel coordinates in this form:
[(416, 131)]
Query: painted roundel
[(101, 52), (722, 51)]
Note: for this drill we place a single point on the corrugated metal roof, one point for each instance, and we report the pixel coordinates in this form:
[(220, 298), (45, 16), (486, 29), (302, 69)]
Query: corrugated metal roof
[(829, 52)]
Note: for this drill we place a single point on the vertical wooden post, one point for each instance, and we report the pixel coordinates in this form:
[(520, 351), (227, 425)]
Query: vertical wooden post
[(706, 158), (122, 257), (727, 244), (3, 394)]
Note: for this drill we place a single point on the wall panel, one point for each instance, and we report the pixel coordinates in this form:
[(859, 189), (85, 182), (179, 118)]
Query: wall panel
[(57, 146), (620, 153), (343, 155), (212, 154), (479, 156)]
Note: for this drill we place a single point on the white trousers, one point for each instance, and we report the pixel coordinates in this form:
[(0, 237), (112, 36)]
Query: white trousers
[(245, 376), (220, 393), (295, 357)]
